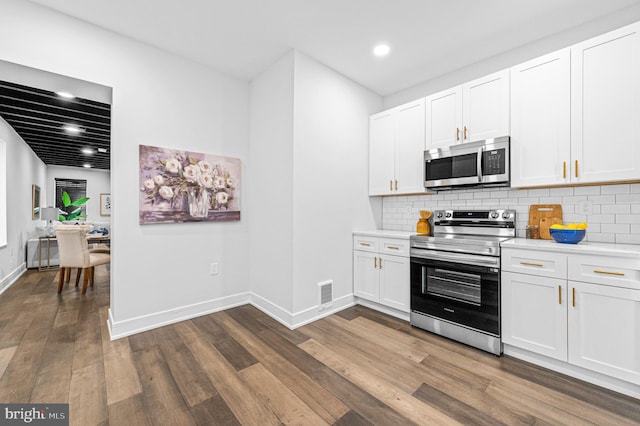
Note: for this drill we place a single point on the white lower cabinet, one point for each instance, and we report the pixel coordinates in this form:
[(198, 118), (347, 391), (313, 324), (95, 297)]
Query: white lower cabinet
[(594, 325), (380, 277), (534, 314), (604, 329)]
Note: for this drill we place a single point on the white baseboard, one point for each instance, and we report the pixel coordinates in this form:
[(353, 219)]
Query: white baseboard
[(119, 329), (12, 277), (593, 377)]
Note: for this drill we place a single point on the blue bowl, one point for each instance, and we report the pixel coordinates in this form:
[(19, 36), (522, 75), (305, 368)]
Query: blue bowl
[(567, 236)]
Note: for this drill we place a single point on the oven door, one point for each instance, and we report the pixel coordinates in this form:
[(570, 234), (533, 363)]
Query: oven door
[(459, 288)]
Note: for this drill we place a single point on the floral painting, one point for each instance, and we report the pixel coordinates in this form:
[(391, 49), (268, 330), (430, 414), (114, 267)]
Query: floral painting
[(183, 186)]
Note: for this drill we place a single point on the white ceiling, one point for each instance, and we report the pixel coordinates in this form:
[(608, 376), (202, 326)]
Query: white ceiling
[(428, 37)]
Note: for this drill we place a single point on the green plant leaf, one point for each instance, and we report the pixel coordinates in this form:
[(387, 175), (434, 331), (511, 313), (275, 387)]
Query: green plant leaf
[(61, 218), (79, 201), (66, 200)]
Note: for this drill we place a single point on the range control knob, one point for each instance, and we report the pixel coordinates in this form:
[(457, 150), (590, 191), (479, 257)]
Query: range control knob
[(506, 215), (439, 215), (448, 215), (494, 215)]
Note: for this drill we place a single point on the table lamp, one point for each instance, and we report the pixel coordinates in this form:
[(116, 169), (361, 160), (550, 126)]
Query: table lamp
[(49, 214)]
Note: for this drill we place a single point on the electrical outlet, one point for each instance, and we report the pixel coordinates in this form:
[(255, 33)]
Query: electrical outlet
[(213, 269), (586, 207)]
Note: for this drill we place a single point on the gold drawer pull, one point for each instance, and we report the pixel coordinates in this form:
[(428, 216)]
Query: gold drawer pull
[(576, 168), (564, 170), (391, 185), (393, 248), (559, 295), (365, 244), (375, 262), (598, 271), (380, 263), (573, 297), (531, 264)]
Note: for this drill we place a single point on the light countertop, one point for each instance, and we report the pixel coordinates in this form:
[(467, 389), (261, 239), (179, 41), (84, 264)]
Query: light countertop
[(385, 233), (584, 247)]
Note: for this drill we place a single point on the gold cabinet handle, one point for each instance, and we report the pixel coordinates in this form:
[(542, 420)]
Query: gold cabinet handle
[(465, 132), (375, 262), (531, 264), (576, 168), (598, 271), (365, 244), (457, 133), (573, 297), (391, 185), (559, 295), (393, 247), (564, 170), (396, 184), (380, 263)]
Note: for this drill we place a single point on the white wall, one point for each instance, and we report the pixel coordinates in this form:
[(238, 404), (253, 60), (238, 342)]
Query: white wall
[(158, 272), (98, 182), (271, 185), (515, 56), (24, 169), (330, 163), (309, 144)]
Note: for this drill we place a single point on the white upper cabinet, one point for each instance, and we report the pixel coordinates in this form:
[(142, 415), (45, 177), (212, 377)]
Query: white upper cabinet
[(396, 148), (540, 121), (473, 111), (444, 118), (485, 107), (381, 152), (605, 107)]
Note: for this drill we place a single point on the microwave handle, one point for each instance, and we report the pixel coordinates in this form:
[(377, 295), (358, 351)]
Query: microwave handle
[(479, 164)]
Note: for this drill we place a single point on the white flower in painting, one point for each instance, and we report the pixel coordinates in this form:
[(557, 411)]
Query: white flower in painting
[(205, 166), (219, 182), (206, 180), (222, 197), (192, 173), (166, 192), (148, 184), (158, 180), (172, 165), (229, 182)]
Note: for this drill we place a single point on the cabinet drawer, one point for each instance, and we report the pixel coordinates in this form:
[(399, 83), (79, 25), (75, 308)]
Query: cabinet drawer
[(365, 243), (553, 265), (616, 271), (395, 247)]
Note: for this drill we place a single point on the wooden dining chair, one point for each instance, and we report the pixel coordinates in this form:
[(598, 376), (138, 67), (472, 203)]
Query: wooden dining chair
[(74, 252)]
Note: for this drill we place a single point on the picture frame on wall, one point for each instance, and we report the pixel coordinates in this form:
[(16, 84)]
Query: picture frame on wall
[(35, 202), (105, 204)]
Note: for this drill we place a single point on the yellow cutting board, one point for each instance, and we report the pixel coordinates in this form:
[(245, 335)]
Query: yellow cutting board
[(543, 216)]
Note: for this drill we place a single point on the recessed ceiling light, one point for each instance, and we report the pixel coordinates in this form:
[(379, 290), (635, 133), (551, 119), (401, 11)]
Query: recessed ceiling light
[(381, 50), (65, 95), (87, 151), (88, 166), (102, 150), (72, 129)]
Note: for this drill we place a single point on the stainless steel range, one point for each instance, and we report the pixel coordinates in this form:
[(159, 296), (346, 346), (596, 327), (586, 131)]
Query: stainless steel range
[(455, 276)]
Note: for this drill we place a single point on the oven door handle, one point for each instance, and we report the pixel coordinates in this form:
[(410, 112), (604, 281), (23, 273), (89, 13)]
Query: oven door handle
[(479, 164), (463, 258)]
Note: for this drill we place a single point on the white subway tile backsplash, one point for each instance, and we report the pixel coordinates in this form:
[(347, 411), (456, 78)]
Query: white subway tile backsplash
[(627, 218), (586, 190), (615, 228), (560, 191), (615, 209), (615, 189)]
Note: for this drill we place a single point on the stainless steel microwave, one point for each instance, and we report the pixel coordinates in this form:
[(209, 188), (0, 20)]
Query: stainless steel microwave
[(481, 163)]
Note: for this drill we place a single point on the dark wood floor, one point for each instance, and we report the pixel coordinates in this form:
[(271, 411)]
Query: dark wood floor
[(241, 367)]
